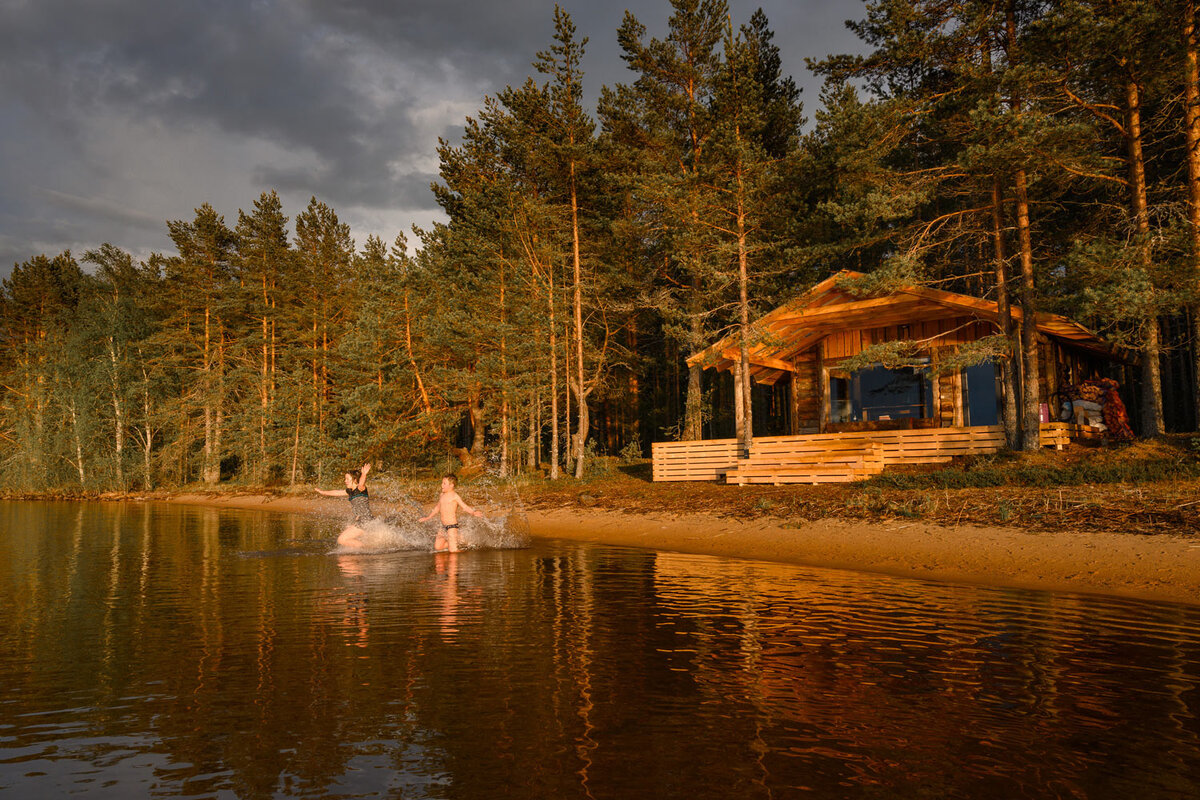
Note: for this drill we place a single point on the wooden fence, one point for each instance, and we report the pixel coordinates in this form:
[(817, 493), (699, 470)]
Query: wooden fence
[(836, 457)]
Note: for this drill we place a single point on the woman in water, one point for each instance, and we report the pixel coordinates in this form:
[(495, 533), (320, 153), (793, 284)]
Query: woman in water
[(360, 504)]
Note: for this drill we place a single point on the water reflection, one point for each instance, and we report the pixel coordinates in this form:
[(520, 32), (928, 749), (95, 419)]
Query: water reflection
[(154, 650)]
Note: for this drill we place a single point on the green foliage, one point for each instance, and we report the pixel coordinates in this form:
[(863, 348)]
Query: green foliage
[(985, 473), (631, 453)]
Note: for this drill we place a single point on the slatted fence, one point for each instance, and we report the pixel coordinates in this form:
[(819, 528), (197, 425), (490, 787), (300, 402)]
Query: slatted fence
[(830, 457)]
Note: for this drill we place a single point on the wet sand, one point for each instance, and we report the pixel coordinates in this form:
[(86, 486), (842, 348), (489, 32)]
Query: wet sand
[(1163, 567)]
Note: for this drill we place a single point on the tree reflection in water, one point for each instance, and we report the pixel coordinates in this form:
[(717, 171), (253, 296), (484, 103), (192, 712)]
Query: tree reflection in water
[(163, 650)]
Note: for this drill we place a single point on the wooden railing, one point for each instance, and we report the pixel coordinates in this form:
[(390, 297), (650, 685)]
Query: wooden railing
[(705, 460)]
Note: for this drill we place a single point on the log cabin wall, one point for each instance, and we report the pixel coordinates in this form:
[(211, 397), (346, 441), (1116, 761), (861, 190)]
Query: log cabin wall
[(1059, 366), (947, 406), (938, 332), (1047, 370), (806, 398), (943, 335)]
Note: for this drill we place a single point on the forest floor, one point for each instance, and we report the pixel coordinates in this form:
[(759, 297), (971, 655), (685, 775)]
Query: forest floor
[(1146, 487)]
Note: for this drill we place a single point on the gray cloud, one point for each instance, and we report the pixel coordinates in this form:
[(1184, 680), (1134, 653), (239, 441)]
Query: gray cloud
[(101, 209), (117, 116)]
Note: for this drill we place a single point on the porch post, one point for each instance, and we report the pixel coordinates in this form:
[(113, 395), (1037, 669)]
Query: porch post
[(794, 403), (739, 413), (822, 388)]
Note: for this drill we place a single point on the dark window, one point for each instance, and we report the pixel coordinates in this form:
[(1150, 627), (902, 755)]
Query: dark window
[(880, 393)]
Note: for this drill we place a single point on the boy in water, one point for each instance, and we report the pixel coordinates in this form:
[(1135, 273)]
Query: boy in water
[(447, 506), (360, 504)]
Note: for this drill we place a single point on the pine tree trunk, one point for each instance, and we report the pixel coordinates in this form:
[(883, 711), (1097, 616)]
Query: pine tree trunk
[(531, 447), (1008, 367), (1152, 410), (296, 438), (316, 386), (633, 387), (1031, 419), (412, 361), (475, 409), (580, 392), (739, 410), (1031, 423), (272, 393), (264, 392), (692, 412), (118, 415), (209, 474), (746, 395), (503, 380), (219, 416), (79, 467), (554, 471), (584, 417), (1192, 136), (567, 393), (148, 438), (36, 459)]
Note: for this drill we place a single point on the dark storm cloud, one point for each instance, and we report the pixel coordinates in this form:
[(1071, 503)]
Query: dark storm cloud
[(247, 69), (115, 114)]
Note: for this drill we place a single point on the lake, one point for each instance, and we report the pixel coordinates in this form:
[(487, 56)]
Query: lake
[(152, 650)]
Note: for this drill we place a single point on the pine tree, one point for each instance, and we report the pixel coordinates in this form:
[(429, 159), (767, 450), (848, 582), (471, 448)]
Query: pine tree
[(742, 177), (667, 120), (201, 281), (1116, 45), (39, 300), (569, 139), (265, 261), (325, 255), (119, 320), (1191, 128)]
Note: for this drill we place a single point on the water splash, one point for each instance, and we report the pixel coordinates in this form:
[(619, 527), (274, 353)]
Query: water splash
[(387, 535), (510, 530), (400, 528)]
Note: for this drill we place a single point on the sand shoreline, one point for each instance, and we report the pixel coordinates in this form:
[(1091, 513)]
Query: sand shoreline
[(1159, 568)]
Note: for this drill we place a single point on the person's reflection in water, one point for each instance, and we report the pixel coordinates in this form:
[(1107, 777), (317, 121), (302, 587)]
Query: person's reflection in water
[(354, 603), (446, 580)]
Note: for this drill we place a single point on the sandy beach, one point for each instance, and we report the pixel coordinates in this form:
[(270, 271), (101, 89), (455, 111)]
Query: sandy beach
[(1162, 567)]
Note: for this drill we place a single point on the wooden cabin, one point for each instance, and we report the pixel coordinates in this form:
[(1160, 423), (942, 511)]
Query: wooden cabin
[(804, 342)]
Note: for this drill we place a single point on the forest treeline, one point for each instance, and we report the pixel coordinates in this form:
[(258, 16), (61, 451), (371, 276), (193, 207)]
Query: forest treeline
[(1040, 154)]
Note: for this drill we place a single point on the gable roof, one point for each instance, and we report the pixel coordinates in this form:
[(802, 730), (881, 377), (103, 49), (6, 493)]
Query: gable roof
[(800, 324)]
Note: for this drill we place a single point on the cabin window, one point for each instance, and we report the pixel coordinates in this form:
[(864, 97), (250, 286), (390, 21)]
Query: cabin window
[(880, 394), (981, 392)]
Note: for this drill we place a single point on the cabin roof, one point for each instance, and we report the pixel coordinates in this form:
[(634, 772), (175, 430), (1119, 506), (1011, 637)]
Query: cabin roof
[(797, 326)]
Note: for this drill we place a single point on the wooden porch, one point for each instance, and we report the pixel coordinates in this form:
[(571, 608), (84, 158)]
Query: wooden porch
[(837, 457)]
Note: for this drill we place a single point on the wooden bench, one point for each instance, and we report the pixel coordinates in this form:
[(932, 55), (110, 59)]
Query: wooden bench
[(804, 461), (1059, 434)]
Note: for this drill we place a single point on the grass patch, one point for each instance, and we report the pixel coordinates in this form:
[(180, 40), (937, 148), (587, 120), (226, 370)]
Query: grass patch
[(1150, 462)]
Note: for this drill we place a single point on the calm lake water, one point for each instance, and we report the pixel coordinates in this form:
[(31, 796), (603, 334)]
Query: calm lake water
[(165, 651)]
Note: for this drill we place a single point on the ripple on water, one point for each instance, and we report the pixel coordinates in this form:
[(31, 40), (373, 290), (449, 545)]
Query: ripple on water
[(187, 652)]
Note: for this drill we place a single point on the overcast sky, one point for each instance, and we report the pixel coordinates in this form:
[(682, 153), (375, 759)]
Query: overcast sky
[(117, 115)]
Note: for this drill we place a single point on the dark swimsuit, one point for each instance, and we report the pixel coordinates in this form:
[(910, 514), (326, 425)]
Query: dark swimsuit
[(361, 505), (448, 527)]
